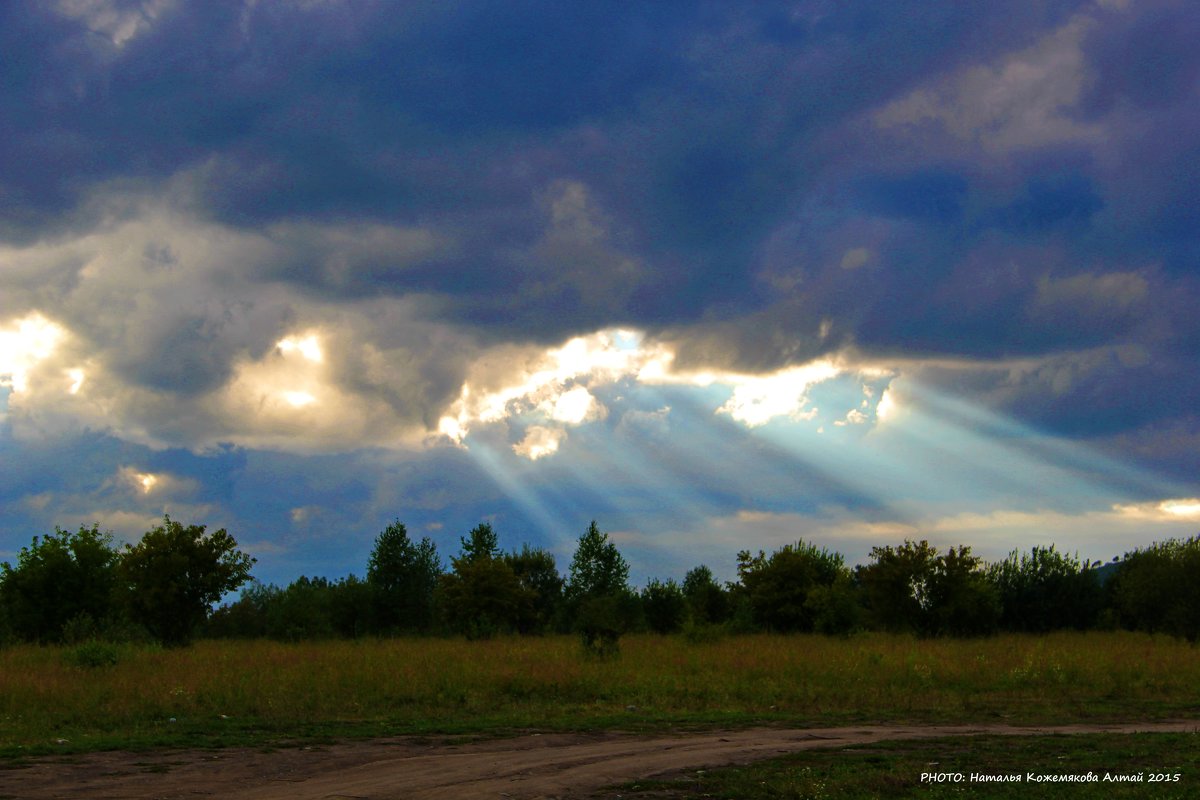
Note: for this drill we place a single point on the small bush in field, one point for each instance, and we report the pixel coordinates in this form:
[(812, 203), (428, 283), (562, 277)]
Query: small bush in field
[(703, 633), (93, 654)]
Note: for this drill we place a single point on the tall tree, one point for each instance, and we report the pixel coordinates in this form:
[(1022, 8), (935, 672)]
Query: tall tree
[(402, 576), (480, 544), (963, 600), (172, 577), (481, 595), (598, 569), (598, 595)]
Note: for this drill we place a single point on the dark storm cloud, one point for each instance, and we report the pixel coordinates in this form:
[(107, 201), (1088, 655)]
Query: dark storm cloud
[(766, 183), (686, 121)]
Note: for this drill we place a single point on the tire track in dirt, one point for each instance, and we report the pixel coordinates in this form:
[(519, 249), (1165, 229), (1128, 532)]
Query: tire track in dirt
[(522, 768)]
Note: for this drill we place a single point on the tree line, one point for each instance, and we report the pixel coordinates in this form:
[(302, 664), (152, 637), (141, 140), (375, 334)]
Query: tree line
[(72, 586)]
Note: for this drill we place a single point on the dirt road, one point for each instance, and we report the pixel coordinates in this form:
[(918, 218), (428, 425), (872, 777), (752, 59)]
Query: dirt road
[(522, 768)]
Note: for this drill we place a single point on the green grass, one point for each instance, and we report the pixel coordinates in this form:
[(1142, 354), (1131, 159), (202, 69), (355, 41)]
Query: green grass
[(223, 693), (895, 769)]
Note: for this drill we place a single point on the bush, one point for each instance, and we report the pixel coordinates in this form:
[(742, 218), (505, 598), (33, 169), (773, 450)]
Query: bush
[(600, 622), (703, 633), (93, 654), (777, 588)]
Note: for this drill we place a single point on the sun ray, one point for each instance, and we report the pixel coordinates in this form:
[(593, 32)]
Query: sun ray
[(520, 492)]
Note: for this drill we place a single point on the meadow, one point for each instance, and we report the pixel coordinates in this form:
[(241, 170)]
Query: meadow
[(259, 692)]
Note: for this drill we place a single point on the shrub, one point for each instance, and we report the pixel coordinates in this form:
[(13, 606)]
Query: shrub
[(777, 588), (93, 654)]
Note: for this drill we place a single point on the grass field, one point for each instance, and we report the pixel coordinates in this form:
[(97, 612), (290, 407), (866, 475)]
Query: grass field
[(231, 692)]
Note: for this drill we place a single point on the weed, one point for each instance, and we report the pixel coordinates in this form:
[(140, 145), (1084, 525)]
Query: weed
[(93, 654)]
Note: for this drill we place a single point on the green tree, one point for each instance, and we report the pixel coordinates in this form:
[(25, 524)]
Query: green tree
[(664, 606), (1157, 588), (403, 577), (777, 588), (481, 544), (302, 611), (914, 588), (707, 602), (1045, 590), (598, 569), (172, 577), (246, 617), (895, 586), (481, 596), (836, 608), (350, 607), (597, 593), (963, 601), (537, 573), (6, 631), (58, 578)]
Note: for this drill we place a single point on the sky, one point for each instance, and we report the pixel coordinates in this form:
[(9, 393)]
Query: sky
[(719, 276)]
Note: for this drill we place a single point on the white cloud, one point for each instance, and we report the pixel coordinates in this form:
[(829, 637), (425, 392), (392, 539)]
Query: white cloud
[(575, 406), (25, 342), (539, 441), (512, 382), (172, 330), (886, 408), (554, 388), (1184, 509), (758, 399), (308, 346), (303, 514)]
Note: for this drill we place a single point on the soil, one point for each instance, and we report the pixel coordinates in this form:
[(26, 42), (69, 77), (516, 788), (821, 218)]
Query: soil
[(521, 768)]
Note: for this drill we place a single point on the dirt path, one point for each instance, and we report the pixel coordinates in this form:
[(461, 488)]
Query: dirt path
[(523, 768)]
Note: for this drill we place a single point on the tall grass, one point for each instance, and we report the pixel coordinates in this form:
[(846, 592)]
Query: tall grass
[(405, 685)]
